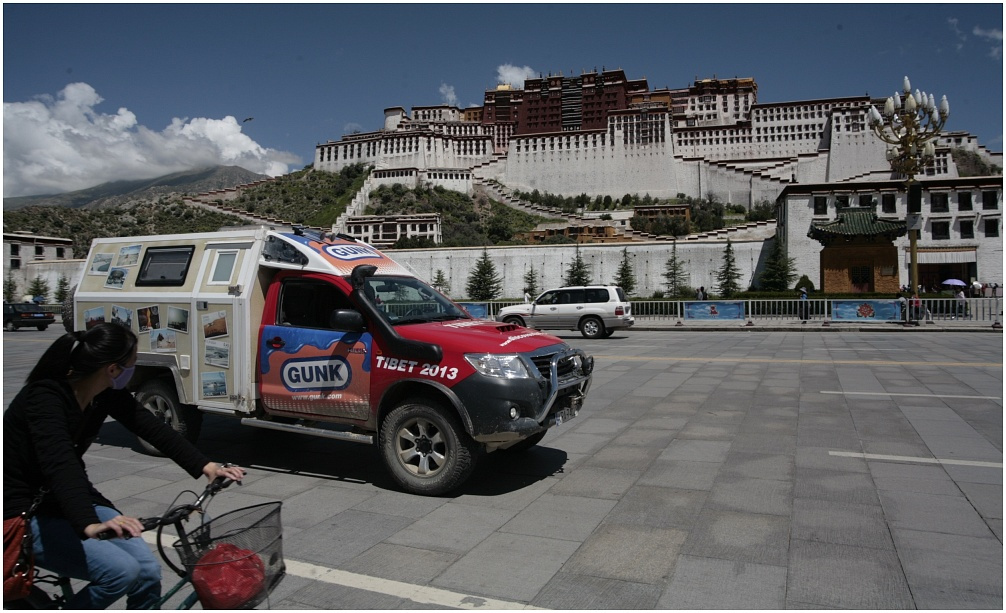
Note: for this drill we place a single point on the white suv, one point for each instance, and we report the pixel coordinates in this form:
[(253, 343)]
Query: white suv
[(596, 311)]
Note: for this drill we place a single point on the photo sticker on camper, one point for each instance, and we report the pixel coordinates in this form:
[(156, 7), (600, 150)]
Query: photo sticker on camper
[(147, 318), (214, 324), (101, 264), (214, 384), (122, 316), (93, 317)]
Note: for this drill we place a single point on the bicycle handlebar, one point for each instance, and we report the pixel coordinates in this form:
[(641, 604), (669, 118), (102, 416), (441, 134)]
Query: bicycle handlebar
[(175, 514)]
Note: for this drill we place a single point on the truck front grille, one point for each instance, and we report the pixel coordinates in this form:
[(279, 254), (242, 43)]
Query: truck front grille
[(544, 364)]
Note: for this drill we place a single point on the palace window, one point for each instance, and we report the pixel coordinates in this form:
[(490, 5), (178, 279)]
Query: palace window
[(967, 228), (992, 227), (939, 203), (941, 230), (964, 201), (887, 203), (990, 201)]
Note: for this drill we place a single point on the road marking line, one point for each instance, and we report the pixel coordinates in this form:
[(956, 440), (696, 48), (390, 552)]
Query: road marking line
[(416, 593), (902, 458), (637, 358), (901, 394)]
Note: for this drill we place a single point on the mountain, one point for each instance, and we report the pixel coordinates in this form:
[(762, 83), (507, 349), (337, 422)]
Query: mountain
[(123, 193)]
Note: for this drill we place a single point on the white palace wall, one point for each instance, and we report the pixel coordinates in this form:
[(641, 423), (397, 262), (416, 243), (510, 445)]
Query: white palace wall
[(701, 260)]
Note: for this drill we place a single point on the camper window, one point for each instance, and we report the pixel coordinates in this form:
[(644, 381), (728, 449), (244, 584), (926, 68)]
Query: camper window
[(165, 265)]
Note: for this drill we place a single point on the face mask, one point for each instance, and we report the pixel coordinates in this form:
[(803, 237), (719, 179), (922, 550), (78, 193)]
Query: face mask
[(122, 380)]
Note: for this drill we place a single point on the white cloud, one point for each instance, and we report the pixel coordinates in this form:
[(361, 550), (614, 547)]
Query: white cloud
[(53, 145), (447, 94), (995, 36), (509, 74)]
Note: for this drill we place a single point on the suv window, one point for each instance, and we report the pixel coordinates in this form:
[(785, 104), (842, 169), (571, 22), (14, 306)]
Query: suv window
[(597, 294), (571, 296), (621, 295)]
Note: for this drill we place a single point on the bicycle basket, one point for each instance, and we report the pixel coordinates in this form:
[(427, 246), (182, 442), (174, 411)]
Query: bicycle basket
[(235, 560)]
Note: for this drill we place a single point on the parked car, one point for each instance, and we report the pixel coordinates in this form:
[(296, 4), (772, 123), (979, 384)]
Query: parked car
[(26, 315), (596, 311)]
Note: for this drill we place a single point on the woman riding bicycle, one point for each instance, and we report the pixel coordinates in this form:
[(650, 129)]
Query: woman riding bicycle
[(78, 382)]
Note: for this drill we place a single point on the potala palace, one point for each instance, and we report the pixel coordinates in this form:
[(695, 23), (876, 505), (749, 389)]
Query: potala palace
[(601, 133)]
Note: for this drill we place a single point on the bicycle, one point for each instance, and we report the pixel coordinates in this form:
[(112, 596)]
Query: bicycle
[(233, 561)]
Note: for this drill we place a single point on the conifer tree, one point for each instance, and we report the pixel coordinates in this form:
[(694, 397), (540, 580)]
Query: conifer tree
[(625, 278), (778, 273), (39, 287), (440, 282), (675, 278), (484, 283), (10, 287), (531, 282), (728, 275), (62, 289), (578, 272)]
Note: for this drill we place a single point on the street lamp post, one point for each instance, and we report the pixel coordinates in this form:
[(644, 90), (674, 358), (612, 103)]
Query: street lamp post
[(909, 126)]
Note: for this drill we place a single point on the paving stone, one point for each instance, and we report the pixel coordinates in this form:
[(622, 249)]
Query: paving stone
[(975, 474), (642, 554), (920, 478), (985, 498), (929, 513), (395, 562), (401, 504), (748, 537), (833, 485), (345, 536), (779, 467), (659, 507), (624, 457), (562, 517), (454, 528), (708, 431), (839, 439), (596, 482), (320, 595), (512, 567), (696, 450), (681, 474), (820, 458), (637, 436), (319, 504), (764, 496), (129, 485), (827, 521), (948, 564), (569, 591), (708, 583), (846, 577)]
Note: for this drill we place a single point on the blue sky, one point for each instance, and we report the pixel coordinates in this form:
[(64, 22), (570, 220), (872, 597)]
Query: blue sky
[(95, 93)]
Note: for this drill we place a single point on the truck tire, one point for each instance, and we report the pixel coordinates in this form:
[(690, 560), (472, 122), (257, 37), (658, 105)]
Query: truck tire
[(426, 449), (527, 443), (591, 327), (514, 321), (160, 398)]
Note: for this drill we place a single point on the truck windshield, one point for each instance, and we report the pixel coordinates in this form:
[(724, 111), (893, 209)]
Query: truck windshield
[(405, 300)]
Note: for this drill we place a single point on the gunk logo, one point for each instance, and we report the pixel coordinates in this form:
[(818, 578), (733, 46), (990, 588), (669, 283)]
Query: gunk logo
[(351, 252), (313, 374)]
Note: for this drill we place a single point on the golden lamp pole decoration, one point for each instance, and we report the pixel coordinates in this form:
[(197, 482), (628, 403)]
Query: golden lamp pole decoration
[(909, 125)]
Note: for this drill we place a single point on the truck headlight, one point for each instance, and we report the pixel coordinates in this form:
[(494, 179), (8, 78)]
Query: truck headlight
[(504, 366)]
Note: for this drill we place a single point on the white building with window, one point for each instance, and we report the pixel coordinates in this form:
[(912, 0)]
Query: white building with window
[(28, 256)]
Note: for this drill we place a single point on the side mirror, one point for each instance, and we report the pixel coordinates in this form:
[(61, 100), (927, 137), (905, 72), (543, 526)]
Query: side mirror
[(346, 320)]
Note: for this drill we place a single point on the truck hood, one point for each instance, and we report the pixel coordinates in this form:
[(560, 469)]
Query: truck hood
[(479, 335)]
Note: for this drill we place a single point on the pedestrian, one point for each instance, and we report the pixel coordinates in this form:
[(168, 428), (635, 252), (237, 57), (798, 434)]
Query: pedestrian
[(961, 306), (804, 306), (916, 305), (701, 294)]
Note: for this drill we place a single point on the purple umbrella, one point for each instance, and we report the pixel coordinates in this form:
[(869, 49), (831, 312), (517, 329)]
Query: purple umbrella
[(954, 282)]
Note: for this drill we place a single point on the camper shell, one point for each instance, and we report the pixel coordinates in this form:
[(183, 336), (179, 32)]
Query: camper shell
[(324, 335)]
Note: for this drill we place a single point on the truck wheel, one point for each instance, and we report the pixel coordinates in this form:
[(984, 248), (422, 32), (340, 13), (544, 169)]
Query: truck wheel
[(591, 327), (426, 449), (527, 443), (160, 398), (514, 321)]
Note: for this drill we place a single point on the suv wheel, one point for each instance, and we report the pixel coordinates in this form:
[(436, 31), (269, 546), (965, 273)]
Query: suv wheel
[(591, 327), (160, 399), (514, 321), (10, 326), (426, 449)]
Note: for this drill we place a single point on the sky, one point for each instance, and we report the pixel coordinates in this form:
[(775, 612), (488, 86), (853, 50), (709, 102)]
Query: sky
[(105, 92)]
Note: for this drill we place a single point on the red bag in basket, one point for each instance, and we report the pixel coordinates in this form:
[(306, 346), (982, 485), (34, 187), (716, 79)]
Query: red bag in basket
[(227, 577)]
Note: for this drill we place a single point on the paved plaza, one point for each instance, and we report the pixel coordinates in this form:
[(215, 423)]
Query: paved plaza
[(708, 469)]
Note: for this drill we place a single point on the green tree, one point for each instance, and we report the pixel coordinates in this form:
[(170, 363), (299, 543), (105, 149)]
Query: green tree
[(440, 282), (675, 277), (10, 288), (625, 278), (531, 282), (39, 287), (778, 273), (805, 281), (62, 289), (484, 283), (578, 272), (728, 275), (762, 211)]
